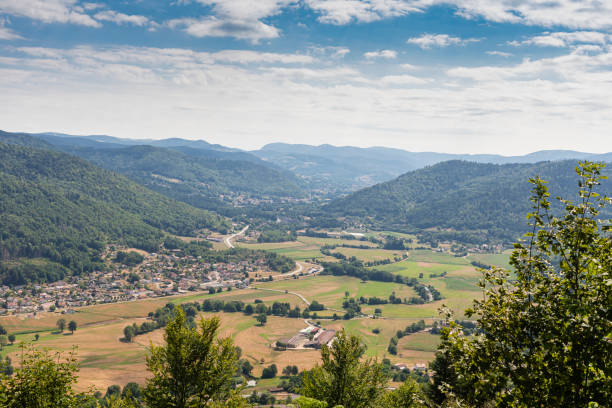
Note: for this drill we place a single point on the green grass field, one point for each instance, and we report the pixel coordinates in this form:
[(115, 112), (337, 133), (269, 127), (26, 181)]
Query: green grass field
[(419, 342), (330, 290), (310, 248), (412, 269), (425, 255), (501, 260), (107, 361)]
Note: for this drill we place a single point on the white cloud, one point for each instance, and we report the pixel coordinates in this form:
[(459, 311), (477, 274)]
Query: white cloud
[(6, 33), (427, 41), (341, 12), (120, 18), (245, 98), (402, 80), (321, 74), (592, 14), (163, 58), (565, 39), (409, 67), (500, 53), (246, 57), (49, 11), (240, 19), (211, 26), (336, 52), (246, 9), (92, 6), (339, 52), (386, 54)]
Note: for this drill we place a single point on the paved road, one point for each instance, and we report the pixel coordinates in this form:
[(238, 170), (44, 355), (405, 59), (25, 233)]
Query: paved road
[(297, 270), (283, 291), (228, 240)]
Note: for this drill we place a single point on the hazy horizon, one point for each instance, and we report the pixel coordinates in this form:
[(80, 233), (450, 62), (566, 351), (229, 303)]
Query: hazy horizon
[(471, 153), (457, 76)]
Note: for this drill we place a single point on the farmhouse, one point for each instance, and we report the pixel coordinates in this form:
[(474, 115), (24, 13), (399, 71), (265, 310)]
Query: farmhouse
[(293, 342), (324, 337)]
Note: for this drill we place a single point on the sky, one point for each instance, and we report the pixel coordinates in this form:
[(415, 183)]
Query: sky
[(457, 76)]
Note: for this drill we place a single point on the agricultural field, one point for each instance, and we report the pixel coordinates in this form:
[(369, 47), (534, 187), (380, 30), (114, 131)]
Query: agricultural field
[(105, 360), (330, 290), (306, 248), (501, 260)]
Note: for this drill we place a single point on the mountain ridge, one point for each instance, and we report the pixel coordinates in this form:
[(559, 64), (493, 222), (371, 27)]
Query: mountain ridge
[(64, 209), (459, 196)]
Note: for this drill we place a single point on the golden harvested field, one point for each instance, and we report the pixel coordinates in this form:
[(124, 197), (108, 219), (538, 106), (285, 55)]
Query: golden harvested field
[(112, 312), (330, 290), (308, 248), (106, 361)]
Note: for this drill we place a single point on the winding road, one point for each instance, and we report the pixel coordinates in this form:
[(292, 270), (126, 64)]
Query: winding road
[(228, 240), (284, 291)]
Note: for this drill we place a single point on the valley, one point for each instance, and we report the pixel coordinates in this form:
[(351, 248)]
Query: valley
[(105, 360), (110, 237)]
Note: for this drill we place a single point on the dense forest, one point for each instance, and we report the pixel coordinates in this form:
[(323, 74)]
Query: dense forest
[(64, 210), (344, 169), (180, 169), (197, 181), (457, 200)]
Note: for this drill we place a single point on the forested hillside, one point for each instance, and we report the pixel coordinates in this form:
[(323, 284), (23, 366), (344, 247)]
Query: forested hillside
[(213, 179), (461, 200), (348, 168), (64, 209), (207, 183)]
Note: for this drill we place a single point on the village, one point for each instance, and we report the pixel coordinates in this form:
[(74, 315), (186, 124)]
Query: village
[(158, 275)]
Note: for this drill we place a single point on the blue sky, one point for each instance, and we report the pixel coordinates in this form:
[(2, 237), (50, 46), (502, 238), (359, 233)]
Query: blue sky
[(478, 76)]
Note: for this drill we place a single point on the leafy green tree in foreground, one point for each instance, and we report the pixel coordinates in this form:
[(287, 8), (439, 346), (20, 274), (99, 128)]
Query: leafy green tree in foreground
[(42, 380), (406, 396), (194, 367), (72, 326), (344, 378), (545, 337)]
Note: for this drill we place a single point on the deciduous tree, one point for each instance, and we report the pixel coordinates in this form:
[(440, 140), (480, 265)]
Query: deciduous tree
[(544, 334), (61, 324), (42, 380), (344, 377), (194, 368)]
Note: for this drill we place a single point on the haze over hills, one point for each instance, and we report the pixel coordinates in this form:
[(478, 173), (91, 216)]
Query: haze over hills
[(349, 168), (171, 142), (209, 179), (293, 170), (63, 210), (468, 201)]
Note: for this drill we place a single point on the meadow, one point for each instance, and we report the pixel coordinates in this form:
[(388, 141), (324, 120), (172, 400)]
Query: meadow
[(105, 360)]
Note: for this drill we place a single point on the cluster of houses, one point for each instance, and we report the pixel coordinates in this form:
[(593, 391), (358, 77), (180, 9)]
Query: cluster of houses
[(416, 367), (310, 337), (158, 275)]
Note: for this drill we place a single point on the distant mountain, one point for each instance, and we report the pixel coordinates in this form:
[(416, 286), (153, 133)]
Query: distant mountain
[(172, 142), (345, 169), (62, 210), (206, 182), (209, 179), (465, 200)]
